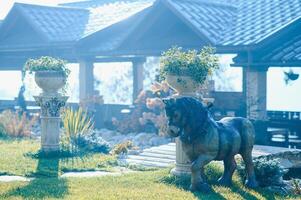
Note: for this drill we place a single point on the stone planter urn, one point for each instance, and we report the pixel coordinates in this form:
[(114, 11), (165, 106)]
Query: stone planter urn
[(184, 85), (50, 81), (50, 101)]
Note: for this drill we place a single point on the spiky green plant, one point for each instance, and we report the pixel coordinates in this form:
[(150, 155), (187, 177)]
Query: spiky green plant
[(77, 123)]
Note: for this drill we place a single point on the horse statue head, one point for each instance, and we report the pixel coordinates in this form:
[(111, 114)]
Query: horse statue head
[(186, 116)]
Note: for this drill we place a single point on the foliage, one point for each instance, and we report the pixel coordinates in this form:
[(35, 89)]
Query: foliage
[(268, 171), (93, 143), (122, 148), (197, 65), (46, 63), (15, 124), (3, 132), (147, 114), (77, 123), (297, 187)]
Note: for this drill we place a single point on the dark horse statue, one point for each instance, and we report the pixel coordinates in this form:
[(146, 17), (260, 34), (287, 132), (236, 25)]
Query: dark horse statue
[(204, 140)]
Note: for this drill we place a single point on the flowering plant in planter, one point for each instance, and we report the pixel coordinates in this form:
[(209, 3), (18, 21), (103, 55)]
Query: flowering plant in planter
[(46, 63), (50, 73), (186, 70)]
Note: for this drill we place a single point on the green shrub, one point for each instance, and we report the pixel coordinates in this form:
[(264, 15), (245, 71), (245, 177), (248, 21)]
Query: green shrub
[(2, 131), (77, 123), (268, 171), (123, 147), (93, 143), (15, 124)]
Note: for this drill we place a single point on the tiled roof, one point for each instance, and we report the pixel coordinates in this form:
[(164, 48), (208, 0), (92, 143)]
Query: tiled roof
[(238, 22), (110, 13), (56, 23), (211, 18), (223, 22), (93, 3), (65, 24), (257, 19), (287, 52)]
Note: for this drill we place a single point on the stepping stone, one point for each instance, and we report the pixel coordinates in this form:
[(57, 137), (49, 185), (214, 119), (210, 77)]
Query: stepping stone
[(158, 155), (90, 174), (165, 155), (147, 158), (14, 178), (149, 163)]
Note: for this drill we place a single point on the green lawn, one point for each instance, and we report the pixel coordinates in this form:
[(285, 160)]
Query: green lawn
[(138, 185), (14, 160)]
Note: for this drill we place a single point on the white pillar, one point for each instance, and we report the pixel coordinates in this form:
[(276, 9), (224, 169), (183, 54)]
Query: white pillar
[(86, 79), (138, 78), (256, 92)]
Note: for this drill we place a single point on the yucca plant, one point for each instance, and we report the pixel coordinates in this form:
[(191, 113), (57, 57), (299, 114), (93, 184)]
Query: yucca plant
[(77, 123)]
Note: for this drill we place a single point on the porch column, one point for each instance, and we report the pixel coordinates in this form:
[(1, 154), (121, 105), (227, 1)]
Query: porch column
[(86, 79), (138, 77), (255, 86)]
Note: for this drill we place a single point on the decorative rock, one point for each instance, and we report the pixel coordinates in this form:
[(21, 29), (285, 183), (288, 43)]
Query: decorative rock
[(141, 140), (287, 159), (287, 188)]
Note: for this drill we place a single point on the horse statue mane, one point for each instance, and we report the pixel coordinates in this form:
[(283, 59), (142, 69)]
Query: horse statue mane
[(194, 111)]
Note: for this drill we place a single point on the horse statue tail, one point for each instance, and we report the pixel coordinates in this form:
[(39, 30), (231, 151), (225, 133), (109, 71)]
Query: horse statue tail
[(247, 141), (247, 134)]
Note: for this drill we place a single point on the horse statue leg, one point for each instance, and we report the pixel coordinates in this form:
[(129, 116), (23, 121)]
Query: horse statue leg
[(197, 173), (229, 168), (251, 179)]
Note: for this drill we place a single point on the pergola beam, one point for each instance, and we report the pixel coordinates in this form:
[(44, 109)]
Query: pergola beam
[(271, 64)]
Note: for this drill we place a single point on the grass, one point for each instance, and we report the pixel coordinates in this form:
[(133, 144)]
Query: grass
[(139, 185), (15, 160)]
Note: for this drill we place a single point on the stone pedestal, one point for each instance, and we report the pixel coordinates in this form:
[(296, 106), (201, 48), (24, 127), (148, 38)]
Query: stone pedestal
[(182, 162), (50, 120)]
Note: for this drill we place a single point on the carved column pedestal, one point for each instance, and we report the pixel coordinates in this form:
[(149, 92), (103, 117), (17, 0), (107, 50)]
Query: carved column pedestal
[(50, 120), (182, 162)]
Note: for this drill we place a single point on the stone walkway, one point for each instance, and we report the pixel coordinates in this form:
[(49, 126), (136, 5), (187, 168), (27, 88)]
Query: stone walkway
[(165, 155)]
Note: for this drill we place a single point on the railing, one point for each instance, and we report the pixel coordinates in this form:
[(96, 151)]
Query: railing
[(284, 128), (284, 115)]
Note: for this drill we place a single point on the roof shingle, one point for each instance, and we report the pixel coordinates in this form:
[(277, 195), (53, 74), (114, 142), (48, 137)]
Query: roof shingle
[(65, 24), (56, 23), (238, 22)]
